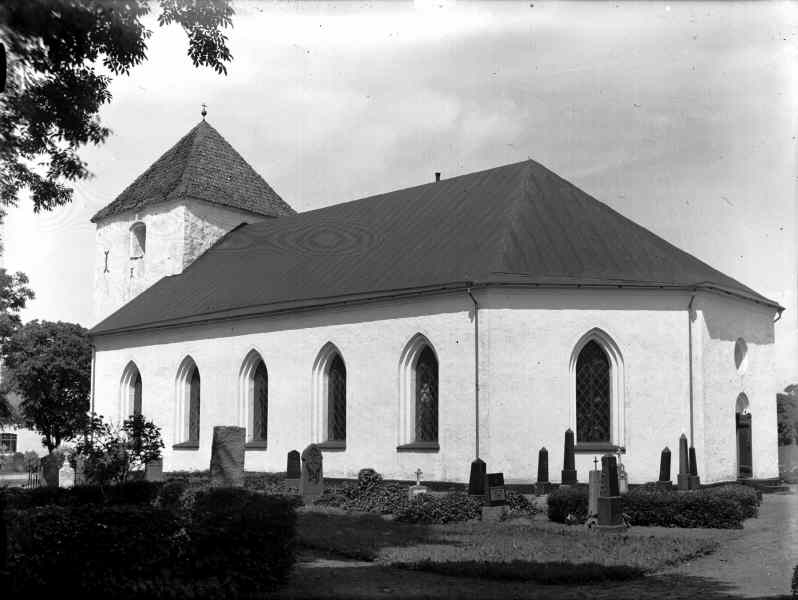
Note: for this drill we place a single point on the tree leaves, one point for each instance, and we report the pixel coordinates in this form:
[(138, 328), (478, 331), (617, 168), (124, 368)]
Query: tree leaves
[(56, 87)]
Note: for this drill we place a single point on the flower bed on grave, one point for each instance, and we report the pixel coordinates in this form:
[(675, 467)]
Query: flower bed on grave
[(144, 539), (718, 507)]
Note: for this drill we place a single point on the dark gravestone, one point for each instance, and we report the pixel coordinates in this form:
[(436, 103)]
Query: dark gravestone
[(153, 470), (293, 467), (80, 470), (542, 485), (51, 465), (682, 479), (569, 464), (665, 467), (311, 481), (610, 512), (496, 492), (476, 481), (693, 481), (227, 456)]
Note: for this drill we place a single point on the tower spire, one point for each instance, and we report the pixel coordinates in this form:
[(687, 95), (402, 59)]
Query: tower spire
[(204, 111)]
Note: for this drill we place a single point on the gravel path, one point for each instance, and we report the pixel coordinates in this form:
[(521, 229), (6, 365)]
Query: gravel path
[(754, 562)]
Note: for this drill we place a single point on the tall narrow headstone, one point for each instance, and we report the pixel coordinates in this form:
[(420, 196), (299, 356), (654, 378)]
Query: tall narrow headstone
[(293, 466), (476, 480), (682, 479), (665, 467), (594, 487), (153, 470), (542, 484), (227, 456), (569, 461), (693, 481), (311, 481), (610, 512)]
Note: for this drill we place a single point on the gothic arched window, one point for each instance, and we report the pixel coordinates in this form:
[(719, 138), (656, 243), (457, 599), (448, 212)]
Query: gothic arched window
[(426, 396), (260, 403), (336, 400), (188, 405), (130, 392), (593, 402)]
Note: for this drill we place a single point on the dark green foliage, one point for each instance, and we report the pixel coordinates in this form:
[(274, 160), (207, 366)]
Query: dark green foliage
[(243, 539), (568, 500), (61, 58), (130, 493), (517, 503), (49, 365), (787, 415), (562, 573), (721, 507), (226, 543), (427, 508)]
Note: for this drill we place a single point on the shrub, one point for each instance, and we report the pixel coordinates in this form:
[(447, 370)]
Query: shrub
[(427, 508), (133, 493), (243, 539), (748, 497), (517, 503), (724, 507), (568, 500)]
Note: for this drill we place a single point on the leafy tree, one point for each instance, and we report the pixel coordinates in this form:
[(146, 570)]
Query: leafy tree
[(50, 367), (62, 56), (14, 294), (112, 453), (787, 415)]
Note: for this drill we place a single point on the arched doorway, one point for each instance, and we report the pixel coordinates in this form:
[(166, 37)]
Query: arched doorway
[(742, 417)]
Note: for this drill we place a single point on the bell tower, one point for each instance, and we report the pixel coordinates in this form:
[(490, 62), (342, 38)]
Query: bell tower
[(200, 189)]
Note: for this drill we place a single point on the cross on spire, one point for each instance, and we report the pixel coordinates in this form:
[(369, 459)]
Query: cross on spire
[(204, 111)]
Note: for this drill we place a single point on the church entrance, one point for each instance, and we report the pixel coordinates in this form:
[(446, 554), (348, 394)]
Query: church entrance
[(742, 418)]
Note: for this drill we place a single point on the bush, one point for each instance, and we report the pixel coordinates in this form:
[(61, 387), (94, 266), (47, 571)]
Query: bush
[(427, 508), (568, 500), (517, 503), (723, 507), (243, 539), (748, 497), (231, 543), (132, 492)]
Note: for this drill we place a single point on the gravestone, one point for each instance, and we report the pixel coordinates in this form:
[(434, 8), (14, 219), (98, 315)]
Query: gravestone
[(665, 468), (51, 465), (66, 475), (153, 470), (80, 470), (293, 471), (594, 487), (693, 480), (417, 489), (542, 485), (623, 480), (311, 481), (476, 480), (569, 464), (610, 512), (227, 456), (496, 505), (682, 479)]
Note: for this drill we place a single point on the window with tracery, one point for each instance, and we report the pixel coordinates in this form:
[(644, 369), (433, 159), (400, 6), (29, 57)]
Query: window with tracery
[(593, 400), (426, 396), (336, 400)]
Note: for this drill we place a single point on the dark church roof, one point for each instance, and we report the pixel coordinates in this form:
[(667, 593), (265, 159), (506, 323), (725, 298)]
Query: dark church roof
[(519, 224), (201, 166)]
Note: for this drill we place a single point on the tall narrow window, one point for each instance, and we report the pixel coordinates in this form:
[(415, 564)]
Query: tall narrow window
[(130, 392), (336, 400), (260, 403), (187, 416), (426, 396), (593, 402), (194, 407)]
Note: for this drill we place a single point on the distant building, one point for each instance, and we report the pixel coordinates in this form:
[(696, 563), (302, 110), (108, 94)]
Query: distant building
[(482, 314)]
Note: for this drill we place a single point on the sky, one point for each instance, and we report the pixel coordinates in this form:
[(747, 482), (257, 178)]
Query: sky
[(681, 116)]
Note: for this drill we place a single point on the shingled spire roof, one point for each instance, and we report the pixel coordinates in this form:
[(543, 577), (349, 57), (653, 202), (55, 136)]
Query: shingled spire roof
[(201, 166), (518, 225)]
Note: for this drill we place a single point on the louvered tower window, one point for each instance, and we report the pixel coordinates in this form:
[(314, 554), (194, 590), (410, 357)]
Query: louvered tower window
[(426, 396), (593, 394)]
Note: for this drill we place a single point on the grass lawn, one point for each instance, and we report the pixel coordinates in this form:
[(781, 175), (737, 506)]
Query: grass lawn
[(519, 549)]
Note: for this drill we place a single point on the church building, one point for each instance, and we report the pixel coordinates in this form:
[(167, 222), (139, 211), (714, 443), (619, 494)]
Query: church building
[(480, 315)]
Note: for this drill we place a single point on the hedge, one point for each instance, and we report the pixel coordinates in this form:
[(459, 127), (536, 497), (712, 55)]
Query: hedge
[(721, 507), (132, 492), (229, 543)]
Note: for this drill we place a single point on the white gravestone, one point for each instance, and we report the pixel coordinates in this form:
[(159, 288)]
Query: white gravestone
[(417, 489), (66, 475)]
